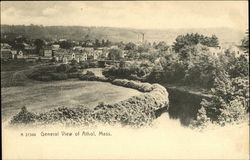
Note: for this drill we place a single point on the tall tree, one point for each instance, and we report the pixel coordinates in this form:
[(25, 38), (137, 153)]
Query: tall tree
[(162, 46), (65, 44), (245, 43), (115, 54), (97, 43), (39, 45), (130, 46), (194, 39)]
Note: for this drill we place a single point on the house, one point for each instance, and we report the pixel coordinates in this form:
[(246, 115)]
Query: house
[(92, 56), (73, 56), (47, 51), (5, 46), (236, 51), (216, 51), (6, 54), (78, 48), (20, 55), (55, 47), (28, 49), (114, 47), (98, 52), (62, 40), (89, 44), (6, 51), (88, 49), (65, 60), (14, 54), (84, 57)]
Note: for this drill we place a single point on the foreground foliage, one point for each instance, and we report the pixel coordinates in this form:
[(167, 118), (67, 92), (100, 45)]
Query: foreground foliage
[(225, 77), (136, 111)]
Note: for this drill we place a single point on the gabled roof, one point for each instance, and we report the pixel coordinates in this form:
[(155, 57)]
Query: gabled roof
[(5, 45)]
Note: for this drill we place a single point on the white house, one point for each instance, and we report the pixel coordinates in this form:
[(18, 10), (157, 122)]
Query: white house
[(84, 57), (20, 55), (65, 60), (55, 47), (73, 56)]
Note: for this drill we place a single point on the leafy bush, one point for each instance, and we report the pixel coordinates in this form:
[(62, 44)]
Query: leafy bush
[(132, 71), (84, 65), (89, 76), (229, 103), (144, 87), (63, 68), (232, 112), (93, 64), (24, 117), (73, 69), (73, 62), (136, 111), (201, 120)]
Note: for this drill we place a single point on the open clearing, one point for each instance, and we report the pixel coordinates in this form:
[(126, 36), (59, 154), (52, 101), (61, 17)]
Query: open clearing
[(17, 91), (70, 93)]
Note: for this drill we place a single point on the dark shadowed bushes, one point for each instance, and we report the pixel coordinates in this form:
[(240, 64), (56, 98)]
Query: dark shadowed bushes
[(63, 68), (24, 117)]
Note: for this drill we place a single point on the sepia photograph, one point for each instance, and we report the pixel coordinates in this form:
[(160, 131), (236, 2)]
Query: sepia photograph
[(124, 80)]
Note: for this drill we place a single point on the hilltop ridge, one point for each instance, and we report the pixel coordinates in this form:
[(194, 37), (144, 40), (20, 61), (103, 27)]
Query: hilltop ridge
[(225, 35)]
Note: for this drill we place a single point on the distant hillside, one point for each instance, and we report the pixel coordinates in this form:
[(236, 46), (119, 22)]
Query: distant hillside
[(225, 35)]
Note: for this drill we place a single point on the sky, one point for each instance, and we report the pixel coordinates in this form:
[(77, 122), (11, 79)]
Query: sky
[(128, 14)]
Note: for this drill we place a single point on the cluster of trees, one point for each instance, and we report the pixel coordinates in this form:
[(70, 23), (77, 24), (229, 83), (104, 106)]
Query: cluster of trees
[(95, 43), (115, 54), (19, 41), (192, 64), (135, 71), (194, 39)]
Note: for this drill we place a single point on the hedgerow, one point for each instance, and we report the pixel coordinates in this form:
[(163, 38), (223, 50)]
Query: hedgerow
[(136, 111)]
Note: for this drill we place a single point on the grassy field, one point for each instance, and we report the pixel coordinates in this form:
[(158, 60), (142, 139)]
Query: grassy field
[(46, 95), (18, 90), (13, 73)]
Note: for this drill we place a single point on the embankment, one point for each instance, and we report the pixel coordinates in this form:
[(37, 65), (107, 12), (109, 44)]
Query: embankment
[(136, 111)]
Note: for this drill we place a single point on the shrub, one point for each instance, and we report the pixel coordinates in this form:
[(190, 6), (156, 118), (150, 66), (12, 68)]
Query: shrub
[(73, 69), (88, 76), (84, 65), (63, 68), (233, 112), (73, 62), (136, 111), (201, 120), (93, 64), (229, 102), (23, 117)]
